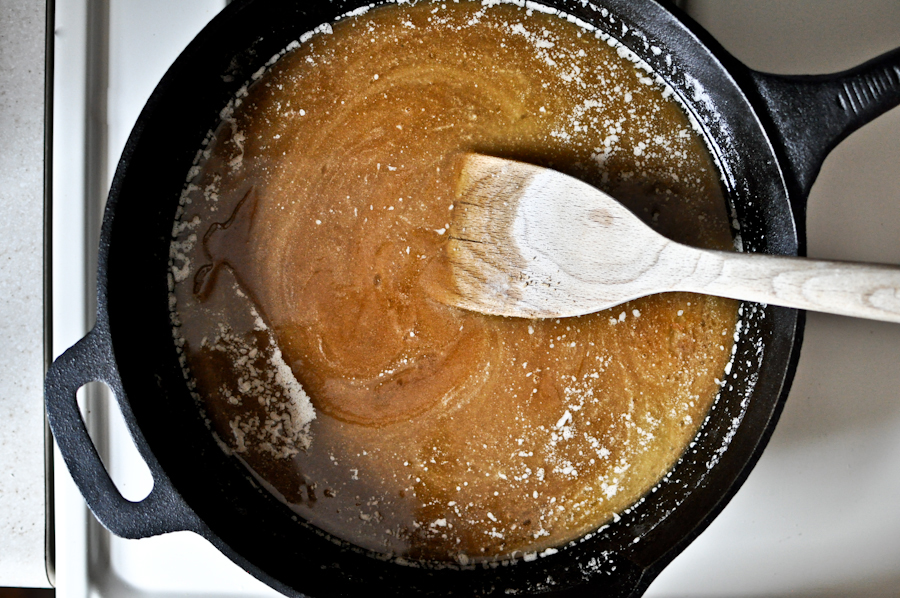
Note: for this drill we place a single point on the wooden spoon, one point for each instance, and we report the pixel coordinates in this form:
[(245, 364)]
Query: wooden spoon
[(532, 242)]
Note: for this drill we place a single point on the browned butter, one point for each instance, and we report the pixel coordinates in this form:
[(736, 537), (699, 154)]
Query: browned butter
[(380, 415)]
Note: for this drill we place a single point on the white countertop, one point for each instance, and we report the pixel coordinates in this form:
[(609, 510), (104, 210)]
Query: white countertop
[(22, 480)]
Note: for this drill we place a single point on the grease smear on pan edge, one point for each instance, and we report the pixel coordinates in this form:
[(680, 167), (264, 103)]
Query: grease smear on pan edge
[(314, 222)]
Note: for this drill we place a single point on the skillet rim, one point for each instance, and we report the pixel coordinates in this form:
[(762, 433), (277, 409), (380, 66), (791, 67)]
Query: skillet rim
[(111, 267)]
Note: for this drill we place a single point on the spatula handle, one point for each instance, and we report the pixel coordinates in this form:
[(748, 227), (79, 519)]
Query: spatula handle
[(870, 291)]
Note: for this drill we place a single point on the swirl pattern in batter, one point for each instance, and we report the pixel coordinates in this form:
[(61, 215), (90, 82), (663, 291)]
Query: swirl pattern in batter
[(300, 268)]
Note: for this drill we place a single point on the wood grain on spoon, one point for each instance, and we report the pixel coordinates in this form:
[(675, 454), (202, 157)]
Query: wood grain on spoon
[(531, 242)]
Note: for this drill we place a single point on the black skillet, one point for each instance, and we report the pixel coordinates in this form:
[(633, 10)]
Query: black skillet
[(770, 134)]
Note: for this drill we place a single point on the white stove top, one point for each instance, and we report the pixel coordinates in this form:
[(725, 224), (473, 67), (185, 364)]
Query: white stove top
[(817, 517)]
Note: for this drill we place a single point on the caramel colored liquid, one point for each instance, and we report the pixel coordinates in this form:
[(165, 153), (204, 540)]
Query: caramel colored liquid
[(299, 256)]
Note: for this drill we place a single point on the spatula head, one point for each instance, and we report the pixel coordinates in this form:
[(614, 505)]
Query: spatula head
[(531, 242)]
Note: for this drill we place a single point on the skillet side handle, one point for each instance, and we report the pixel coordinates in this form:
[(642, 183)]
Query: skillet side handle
[(163, 510), (811, 114)]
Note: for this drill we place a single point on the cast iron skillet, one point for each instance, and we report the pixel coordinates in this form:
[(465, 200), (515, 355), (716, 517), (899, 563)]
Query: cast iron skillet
[(770, 134)]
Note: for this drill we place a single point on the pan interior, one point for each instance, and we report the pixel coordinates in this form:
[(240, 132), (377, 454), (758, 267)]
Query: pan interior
[(303, 259)]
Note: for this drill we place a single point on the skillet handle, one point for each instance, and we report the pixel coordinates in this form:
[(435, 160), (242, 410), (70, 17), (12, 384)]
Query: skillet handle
[(811, 114), (163, 510)]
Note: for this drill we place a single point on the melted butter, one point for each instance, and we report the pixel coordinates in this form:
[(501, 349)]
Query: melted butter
[(306, 240)]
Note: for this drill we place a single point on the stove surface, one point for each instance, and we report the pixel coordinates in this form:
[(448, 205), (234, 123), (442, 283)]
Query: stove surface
[(817, 517)]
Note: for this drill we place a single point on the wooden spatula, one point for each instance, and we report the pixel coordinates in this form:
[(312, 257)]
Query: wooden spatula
[(531, 242)]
